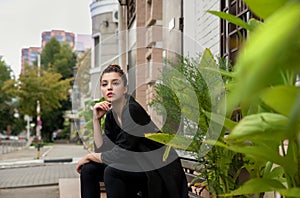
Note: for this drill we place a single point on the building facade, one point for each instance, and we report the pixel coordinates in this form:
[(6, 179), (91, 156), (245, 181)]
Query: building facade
[(105, 45), (60, 35), (29, 56), (83, 42), (151, 32)]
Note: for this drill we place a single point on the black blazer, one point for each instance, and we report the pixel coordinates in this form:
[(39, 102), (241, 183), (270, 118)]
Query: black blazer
[(126, 147)]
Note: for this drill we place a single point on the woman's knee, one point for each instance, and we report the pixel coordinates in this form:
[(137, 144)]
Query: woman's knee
[(91, 170), (110, 172)]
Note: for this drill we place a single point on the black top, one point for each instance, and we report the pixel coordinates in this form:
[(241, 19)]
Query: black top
[(125, 147)]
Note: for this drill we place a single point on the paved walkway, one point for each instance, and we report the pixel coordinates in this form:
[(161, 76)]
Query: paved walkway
[(51, 153), (33, 192), (21, 169)]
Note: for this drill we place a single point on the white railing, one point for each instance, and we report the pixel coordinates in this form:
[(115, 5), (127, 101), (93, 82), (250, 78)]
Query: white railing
[(7, 146)]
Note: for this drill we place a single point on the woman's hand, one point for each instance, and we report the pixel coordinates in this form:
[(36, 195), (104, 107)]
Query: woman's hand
[(95, 157), (81, 162), (100, 109)]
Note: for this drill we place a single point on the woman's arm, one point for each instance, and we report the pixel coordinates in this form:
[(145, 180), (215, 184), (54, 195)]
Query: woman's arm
[(98, 138), (99, 111), (95, 157)]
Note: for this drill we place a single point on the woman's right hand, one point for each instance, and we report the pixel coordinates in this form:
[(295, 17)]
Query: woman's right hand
[(100, 109)]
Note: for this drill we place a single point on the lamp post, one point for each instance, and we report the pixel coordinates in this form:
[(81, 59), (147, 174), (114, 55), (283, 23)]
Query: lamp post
[(38, 111), (27, 118), (38, 107)]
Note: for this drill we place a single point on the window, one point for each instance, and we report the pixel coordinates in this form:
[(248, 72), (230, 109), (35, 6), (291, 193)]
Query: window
[(97, 50), (232, 36), (131, 12), (60, 38)]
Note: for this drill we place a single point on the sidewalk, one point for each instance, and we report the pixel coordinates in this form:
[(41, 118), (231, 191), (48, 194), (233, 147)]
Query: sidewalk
[(48, 154), (22, 169), (21, 173)]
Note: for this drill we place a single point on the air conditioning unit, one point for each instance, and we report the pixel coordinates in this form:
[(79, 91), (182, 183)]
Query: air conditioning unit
[(115, 16)]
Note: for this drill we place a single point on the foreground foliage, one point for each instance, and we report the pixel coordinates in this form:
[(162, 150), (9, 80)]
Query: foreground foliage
[(263, 89)]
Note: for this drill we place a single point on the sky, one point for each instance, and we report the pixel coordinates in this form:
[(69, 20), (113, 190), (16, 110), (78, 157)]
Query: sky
[(23, 21)]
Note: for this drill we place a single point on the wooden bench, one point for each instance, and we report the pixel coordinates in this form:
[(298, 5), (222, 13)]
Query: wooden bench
[(189, 166)]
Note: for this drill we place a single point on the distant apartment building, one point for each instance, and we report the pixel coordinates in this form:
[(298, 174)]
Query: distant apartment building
[(60, 35), (29, 56), (83, 42)]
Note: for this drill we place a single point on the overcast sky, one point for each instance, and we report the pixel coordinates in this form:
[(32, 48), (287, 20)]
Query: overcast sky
[(23, 21)]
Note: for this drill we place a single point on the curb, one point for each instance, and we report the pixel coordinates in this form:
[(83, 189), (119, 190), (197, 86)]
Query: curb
[(28, 163), (58, 160), (30, 186)]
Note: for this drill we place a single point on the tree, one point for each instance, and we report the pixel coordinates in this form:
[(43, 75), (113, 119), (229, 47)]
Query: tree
[(82, 78), (48, 54), (60, 59), (64, 61), (4, 99), (49, 89)]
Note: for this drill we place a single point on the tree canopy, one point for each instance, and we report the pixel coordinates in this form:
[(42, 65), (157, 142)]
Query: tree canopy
[(49, 89), (58, 57), (8, 106)]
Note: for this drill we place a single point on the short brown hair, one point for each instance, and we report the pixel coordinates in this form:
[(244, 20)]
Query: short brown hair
[(115, 68)]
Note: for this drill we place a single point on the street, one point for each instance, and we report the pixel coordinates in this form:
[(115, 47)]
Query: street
[(21, 175)]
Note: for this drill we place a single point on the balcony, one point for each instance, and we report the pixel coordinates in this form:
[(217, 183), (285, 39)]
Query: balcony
[(153, 35), (153, 12)]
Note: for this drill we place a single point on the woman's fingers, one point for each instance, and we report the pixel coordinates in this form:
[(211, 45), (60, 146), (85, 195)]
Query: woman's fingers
[(78, 169), (103, 106)]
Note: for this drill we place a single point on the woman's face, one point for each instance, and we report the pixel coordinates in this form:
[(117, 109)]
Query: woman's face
[(112, 87)]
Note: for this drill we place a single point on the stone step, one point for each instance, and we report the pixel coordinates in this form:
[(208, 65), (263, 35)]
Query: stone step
[(70, 188)]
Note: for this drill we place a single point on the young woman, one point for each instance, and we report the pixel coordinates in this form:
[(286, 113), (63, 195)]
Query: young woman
[(127, 162)]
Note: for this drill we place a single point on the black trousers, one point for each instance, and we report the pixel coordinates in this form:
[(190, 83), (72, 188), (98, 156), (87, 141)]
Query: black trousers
[(118, 183)]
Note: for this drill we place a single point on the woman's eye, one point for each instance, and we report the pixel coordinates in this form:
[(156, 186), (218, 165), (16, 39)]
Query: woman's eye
[(116, 83), (103, 84)]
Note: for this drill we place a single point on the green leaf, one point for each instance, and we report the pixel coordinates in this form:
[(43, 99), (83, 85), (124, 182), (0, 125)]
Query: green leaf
[(166, 153), (293, 126), (221, 120), (262, 152), (231, 18), (257, 185), (263, 55), (254, 23), (292, 192), (219, 71), (264, 8), (207, 60), (260, 126), (176, 141), (276, 173), (280, 98)]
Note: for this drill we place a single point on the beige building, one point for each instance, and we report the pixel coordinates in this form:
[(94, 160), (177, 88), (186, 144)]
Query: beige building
[(142, 46), (105, 45), (149, 33)]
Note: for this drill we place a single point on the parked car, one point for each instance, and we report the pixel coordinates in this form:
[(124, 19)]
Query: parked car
[(13, 137)]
